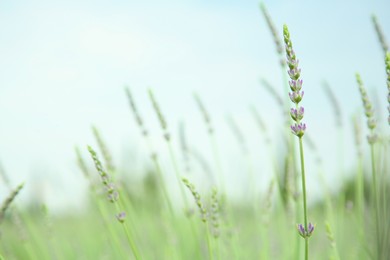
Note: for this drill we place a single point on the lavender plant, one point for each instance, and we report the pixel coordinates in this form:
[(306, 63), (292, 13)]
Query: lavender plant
[(380, 34), (7, 202), (113, 197), (213, 142), (167, 137), (372, 139), (203, 212), (153, 156), (104, 150), (298, 128)]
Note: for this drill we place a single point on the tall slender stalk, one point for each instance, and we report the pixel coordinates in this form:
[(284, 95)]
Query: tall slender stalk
[(113, 197), (372, 139), (145, 135), (298, 128), (375, 198), (304, 195)]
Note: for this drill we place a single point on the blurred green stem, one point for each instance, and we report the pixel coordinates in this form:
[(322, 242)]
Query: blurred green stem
[(304, 196), (375, 197)]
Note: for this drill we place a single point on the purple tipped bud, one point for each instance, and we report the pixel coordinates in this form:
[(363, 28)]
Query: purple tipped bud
[(296, 97), (295, 85), (112, 197), (292, 63), (301, 230), (121, 217), (297, 114), (294, 73), (310, 229), (298, 129)]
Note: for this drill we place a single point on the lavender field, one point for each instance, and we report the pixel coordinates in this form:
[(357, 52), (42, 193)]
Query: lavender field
[(178, 132)]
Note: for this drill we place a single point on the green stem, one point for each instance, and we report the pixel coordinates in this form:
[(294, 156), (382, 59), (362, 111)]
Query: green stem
[(160, 176), (164, 190), (304, 195), (360, 198), (209, 241), (173, 159), (221, 180), (128, 235), (375, 197), (217, 248)]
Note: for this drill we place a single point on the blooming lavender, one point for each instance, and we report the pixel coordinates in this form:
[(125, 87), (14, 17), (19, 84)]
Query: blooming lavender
[(296, 95), (298, 128), (113, 196)]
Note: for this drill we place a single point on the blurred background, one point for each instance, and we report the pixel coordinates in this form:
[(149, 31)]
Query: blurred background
[(65, 65)]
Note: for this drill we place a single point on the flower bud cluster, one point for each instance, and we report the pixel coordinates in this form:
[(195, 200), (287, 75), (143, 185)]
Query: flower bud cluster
[(296, 94), (368, 110), (112, 192), (215, 213), (303, 232), (198, 201)]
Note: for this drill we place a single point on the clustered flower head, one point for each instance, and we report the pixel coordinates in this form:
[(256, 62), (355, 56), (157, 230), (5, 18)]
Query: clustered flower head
[(198, 201), (112, 192), (296, 94), (368, 110), (275, 34), (215, 213), (388, 81), (303, 232)]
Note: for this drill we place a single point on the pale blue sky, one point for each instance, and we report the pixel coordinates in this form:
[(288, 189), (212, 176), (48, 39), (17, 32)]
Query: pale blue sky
[(64, 65)]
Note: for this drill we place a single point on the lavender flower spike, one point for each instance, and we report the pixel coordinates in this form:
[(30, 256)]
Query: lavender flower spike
[(298, 128), (295, 83)]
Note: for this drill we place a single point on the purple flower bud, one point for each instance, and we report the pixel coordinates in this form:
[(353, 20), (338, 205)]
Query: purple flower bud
[(298, 129), (112, 197), (301, 230), (294, 73), (297, 114), (295, 85), (121, 217), (292, 63), (310, 229), (296, 97)]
